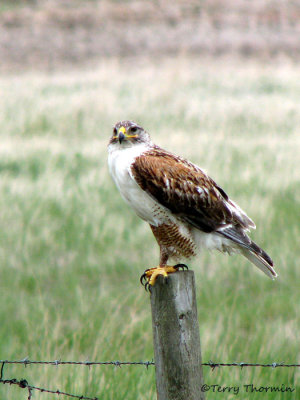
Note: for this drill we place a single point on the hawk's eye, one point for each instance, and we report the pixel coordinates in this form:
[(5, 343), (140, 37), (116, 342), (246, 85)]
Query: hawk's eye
[(133, 129)]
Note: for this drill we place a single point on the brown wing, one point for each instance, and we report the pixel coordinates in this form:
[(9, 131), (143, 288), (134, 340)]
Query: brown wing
[(186, 191)]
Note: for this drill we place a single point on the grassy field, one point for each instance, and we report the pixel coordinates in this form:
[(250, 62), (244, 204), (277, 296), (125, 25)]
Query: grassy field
[(72, 252)]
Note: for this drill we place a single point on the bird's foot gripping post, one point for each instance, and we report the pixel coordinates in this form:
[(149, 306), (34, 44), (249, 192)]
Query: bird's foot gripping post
[(176, 338), (149, 277)]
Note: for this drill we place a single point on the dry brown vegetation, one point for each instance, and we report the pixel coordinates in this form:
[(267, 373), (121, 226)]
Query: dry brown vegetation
[(50, 34)]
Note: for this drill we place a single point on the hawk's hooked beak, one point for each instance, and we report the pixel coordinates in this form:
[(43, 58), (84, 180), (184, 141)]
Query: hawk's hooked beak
[(121, 137), (121, 134)]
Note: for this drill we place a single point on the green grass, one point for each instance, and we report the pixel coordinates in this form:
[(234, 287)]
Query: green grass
[(72, 252)]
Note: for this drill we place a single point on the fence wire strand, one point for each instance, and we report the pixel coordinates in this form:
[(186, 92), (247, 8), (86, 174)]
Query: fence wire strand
[(23, 384), (212, 364)]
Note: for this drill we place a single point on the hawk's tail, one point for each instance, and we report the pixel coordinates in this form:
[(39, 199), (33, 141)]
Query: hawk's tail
[(265, 264), (251, 250)]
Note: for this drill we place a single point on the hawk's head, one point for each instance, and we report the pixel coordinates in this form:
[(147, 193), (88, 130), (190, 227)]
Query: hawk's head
[(127, 133)]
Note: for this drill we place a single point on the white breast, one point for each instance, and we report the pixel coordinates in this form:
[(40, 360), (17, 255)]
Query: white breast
[(119, 162)]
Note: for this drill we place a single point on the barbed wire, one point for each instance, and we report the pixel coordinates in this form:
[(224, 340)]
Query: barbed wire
[(116, 363), (23, 384), (212, 364)]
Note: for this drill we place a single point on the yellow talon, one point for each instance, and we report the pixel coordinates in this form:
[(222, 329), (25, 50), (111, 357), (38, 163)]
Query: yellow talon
[(151, 274)]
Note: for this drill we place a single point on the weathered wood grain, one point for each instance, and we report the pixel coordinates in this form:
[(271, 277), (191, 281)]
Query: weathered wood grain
[(176, 338)]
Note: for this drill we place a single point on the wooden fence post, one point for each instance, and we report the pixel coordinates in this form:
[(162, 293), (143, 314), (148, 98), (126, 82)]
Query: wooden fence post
[(176, 338)]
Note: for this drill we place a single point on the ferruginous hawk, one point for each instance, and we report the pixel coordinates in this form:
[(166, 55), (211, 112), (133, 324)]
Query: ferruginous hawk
[(187, 211)]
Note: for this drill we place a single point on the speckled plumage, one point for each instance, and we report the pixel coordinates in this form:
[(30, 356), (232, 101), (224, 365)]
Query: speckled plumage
[(186, 209)]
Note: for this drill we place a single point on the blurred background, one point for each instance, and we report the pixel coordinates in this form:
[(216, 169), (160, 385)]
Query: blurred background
[(215, 81), (50, 34)]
